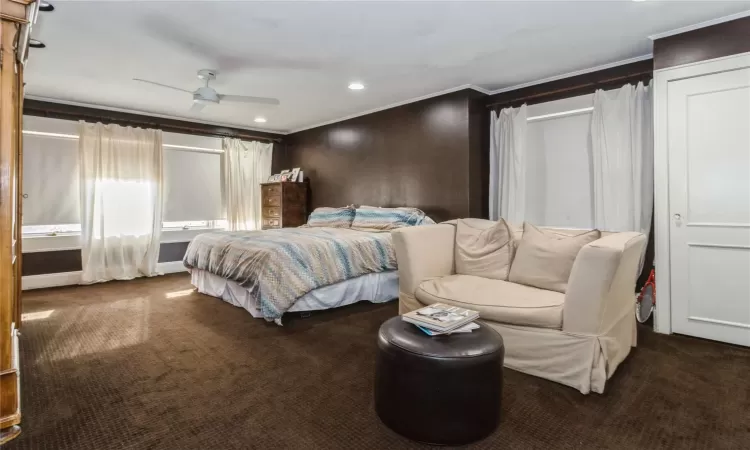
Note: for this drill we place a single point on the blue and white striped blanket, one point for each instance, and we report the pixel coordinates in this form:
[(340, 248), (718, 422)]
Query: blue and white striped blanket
[(279, 266)]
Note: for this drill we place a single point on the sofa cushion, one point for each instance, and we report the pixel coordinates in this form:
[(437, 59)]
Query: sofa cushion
[(484, 252), (544, 258), (496, 300)]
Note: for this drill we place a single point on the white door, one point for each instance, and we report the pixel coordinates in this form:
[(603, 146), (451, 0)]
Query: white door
[(709, 200)]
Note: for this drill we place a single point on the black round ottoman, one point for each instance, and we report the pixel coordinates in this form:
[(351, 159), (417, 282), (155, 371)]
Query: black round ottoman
[(439, 389)]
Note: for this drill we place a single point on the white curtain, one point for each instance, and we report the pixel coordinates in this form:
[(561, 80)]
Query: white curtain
[(246, 165), (623, 163), (121, 201), (508, 164)]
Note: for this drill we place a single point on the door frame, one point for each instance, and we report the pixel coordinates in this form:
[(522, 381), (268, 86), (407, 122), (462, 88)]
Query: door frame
[(662, 217)]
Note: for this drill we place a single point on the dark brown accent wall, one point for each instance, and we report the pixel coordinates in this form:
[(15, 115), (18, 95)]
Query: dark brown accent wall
[(479, 157), (42, 263), (428, 154), (715, 41)]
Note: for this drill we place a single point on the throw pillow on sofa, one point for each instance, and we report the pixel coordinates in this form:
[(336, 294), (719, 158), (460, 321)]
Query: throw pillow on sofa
[(484, 252), (544, 259)]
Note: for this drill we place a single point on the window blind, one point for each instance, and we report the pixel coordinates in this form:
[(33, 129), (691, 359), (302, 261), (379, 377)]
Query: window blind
[(558, 183), (192, 186), (50, 181)]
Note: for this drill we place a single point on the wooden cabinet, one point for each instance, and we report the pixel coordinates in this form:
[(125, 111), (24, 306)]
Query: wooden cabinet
[(15, 22), (284, 204)]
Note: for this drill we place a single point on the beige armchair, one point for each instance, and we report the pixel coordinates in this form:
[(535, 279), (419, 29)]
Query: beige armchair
[(577, 338)]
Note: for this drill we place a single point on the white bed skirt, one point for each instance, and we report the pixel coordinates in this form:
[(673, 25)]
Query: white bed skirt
[(374, 287)]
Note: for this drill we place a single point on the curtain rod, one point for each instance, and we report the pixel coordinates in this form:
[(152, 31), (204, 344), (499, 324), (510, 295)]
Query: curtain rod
[(236, 135), (56, 114), (567, 89), (186, 148)]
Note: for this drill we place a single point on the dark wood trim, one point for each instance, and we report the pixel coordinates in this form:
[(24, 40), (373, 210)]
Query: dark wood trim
[(56, 261), (59, 261), (73, 112), (172, 251), (716, 41), (587, 83), (479, 157)]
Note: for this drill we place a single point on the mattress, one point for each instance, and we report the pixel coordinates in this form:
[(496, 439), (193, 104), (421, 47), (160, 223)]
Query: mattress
[(377, 287)]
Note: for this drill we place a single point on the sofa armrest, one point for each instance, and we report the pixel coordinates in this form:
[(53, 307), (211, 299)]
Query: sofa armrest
[(601, 287), (422, 252)]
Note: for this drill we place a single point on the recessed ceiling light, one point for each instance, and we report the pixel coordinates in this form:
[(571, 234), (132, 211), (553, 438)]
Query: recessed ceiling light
[(356, 86), (260, 119), (33, 43)]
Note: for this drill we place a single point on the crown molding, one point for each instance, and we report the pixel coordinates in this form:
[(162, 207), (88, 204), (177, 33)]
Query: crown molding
[(699, 25), (149, 114), (392, 105), (572, 74), (479, 89)]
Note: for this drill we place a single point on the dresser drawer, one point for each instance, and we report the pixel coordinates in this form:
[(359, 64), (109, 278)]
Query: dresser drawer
[(272, 200), (271, 223), (271, 211), (272, 190)]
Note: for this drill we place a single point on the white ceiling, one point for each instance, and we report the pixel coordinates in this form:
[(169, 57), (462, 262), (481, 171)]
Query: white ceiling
[(305, 53)]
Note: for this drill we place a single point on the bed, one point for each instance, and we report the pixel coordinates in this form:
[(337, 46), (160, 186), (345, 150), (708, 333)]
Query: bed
[(326, 265)]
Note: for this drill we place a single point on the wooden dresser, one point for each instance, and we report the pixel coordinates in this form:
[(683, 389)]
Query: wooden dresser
[(16, 18), (284, 204)]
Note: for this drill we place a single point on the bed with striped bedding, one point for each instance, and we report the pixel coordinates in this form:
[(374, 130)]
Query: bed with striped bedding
[(280, 266)]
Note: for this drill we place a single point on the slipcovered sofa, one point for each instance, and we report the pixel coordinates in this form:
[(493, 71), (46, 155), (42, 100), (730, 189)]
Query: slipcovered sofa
[(577, 338)]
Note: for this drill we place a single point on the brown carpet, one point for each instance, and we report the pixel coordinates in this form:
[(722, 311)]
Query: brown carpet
[(147, 364)]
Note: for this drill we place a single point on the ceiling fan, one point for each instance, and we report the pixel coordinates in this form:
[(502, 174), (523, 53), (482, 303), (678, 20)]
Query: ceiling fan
[(205, 95)]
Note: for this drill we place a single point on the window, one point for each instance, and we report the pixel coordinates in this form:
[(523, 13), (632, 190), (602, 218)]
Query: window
[(188, 224), (558, 177), (50, 185), (120, 204), (192, 184), (52, 230), (192, 180)]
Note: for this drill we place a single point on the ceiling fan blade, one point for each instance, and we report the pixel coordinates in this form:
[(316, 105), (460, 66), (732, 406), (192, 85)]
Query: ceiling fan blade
[(163, 85), (248, 99), (197, 107)]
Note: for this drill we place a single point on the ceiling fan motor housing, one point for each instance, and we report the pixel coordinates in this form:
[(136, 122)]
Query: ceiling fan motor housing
[(205, 95)]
